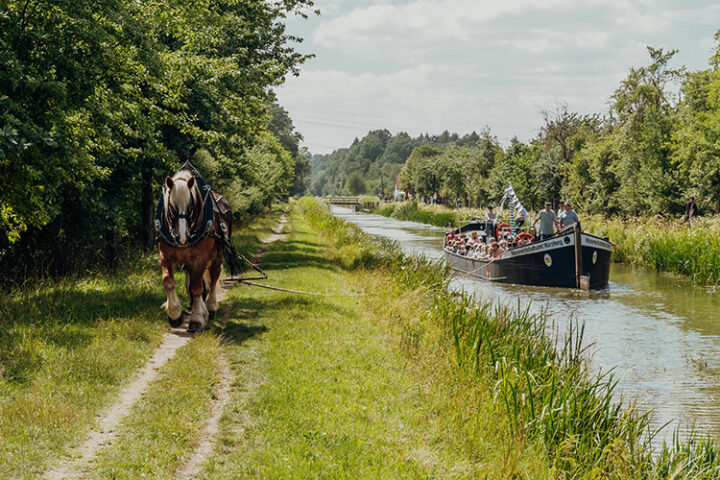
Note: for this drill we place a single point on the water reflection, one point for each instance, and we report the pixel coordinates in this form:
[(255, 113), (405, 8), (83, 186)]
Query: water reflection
[(660, 334)]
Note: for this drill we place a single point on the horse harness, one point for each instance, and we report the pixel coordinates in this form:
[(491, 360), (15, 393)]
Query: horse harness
[(216, 210), (213, 216)]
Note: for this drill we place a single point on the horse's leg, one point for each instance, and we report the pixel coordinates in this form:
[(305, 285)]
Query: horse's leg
[(172, 304), (199, 313), (212, 275)]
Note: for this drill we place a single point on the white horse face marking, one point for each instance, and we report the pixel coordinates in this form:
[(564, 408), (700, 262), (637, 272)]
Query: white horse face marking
[(181, 200)]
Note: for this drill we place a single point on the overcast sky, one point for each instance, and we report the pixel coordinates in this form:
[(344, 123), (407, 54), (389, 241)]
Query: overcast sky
[(460, 65)]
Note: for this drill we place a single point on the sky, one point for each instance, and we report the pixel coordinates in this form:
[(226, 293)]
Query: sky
[(425, 66)]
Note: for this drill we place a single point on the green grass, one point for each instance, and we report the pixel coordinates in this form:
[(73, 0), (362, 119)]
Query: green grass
[(437, 215), (542, 385), (67, 347), (404, 381), (161, 431), (352, 387), (665, 245), (65, 350)]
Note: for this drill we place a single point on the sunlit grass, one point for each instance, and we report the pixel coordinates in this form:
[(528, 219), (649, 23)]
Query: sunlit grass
[(65, 349), (162, 430), (665, 245), (353, 387), (68, 346), (546, 391)]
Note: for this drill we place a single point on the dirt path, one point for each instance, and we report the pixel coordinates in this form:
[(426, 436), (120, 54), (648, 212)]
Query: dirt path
[(104, 434), (106, 430), (208, 437)]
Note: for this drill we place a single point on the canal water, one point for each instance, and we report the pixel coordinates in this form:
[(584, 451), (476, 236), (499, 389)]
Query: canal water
[(660, 334)]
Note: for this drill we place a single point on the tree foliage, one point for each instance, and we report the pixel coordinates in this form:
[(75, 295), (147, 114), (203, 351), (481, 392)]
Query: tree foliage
[(652, 150), (99, 100)]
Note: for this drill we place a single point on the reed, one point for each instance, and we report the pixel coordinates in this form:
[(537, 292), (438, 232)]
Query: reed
[(539, 376), (665, 245), (430, 214)]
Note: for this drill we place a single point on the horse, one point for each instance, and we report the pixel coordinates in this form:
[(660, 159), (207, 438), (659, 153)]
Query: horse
[(194, 226)]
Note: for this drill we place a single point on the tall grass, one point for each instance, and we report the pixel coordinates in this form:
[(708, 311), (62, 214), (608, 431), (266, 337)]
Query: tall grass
[(430, 214), (540, 379), (665, 245)]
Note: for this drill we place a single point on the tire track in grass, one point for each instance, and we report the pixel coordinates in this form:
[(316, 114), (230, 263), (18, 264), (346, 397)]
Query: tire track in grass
[(208, 437), (105, 432)]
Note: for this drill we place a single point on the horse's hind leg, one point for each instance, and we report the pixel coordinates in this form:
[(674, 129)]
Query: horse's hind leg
[(172, 304), (211, 277), (199, 313)]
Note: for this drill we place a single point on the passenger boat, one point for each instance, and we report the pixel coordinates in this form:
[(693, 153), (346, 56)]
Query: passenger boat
[(571, 259)]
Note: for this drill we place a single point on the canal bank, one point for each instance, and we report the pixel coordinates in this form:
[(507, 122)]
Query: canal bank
[(659, 334)]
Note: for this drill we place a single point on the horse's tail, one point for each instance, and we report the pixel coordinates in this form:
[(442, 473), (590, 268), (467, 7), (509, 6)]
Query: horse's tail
[(235, 261)]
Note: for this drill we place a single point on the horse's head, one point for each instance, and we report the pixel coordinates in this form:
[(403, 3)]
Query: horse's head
[(182, 201)]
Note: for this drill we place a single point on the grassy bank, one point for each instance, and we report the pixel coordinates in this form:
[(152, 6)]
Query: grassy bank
[(354, 386), (665, 245), (430, 214), (542, 387), (67, 348)]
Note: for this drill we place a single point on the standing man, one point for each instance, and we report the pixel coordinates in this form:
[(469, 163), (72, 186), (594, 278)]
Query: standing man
[(560, 214), (548, 222), (490, 219), (569, 216), (691, 211)]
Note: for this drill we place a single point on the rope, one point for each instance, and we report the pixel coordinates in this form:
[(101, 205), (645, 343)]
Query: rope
[(300, 292), (264, 276)]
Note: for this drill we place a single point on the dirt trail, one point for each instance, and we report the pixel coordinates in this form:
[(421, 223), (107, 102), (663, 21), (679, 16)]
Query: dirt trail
[(106, 430), (208, 437), (104, 434)]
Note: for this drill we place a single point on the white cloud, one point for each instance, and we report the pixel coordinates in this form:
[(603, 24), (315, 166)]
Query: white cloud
[(431, 65)]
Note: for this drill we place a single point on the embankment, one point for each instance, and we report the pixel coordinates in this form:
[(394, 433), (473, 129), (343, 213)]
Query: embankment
[(543, 388), (69, 347)]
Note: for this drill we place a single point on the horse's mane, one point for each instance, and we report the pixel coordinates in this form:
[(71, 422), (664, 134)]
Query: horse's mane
[(183, 176)]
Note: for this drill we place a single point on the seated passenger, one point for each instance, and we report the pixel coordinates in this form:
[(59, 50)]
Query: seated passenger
[(502, 248)]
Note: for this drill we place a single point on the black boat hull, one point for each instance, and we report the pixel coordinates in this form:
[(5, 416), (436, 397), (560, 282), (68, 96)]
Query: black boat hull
[(549, 263)]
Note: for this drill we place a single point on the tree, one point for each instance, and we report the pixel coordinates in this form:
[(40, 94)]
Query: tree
[(695, 145), (355, 184), (102, 99), (645, 121)]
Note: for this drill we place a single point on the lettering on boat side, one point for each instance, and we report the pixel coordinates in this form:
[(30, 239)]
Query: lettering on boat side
[(588, 241), (541, 247)]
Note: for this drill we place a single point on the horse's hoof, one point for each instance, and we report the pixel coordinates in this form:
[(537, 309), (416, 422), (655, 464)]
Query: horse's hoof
[(211, 316), (194, 327), (178, 321)]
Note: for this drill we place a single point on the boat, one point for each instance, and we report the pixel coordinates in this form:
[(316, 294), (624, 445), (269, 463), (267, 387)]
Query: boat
[(570, 259)]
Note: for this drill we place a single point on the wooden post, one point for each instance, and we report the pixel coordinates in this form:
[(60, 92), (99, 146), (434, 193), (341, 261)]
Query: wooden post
[(577, 232)]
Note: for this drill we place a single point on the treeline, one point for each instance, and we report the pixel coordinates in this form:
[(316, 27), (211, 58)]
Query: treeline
[(371, 164), (656, 146), (100, 100)]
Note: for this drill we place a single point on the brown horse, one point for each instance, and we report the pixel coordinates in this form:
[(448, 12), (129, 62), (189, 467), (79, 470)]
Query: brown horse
[(194, 226)]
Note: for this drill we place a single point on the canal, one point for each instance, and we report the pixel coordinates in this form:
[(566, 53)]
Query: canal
[(659, 334)]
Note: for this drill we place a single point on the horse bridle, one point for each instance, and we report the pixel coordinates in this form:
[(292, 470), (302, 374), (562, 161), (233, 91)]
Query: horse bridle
[(199, 208)]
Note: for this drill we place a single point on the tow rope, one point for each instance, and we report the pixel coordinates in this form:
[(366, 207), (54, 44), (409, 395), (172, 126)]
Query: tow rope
[(232, 281)]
